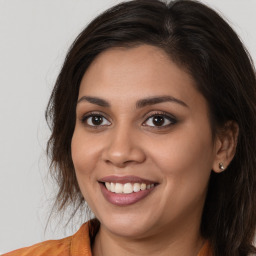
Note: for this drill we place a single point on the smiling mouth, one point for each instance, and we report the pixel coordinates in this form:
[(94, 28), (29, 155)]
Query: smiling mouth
[(127, 188)]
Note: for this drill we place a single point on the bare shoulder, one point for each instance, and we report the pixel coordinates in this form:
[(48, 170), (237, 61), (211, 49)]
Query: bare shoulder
[(52, 247)]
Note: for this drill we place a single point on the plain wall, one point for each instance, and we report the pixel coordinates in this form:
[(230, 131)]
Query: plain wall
[(34, 38)]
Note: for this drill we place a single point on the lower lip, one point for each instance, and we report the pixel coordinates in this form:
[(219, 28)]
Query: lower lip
[(124, 199)]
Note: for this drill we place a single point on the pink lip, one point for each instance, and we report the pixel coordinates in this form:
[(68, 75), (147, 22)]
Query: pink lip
[(125, 199)]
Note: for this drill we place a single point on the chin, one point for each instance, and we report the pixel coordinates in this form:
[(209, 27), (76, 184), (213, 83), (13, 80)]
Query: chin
[(127, 225)]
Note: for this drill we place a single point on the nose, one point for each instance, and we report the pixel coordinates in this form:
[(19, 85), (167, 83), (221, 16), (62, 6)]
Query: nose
[(123, 148)]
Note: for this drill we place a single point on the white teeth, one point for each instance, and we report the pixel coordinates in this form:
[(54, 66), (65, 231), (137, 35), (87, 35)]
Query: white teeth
[(127, 188), (143, 186), (119, 188), (108, 185), (112, 187), (136, 187)]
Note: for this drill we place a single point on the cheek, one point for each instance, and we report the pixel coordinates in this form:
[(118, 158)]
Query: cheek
[(185, 163), (84, 152), (186, 157)]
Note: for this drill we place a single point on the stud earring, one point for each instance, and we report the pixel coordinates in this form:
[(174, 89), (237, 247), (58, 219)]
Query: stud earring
[(221, 166)]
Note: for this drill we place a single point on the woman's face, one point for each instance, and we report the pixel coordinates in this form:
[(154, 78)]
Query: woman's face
[(142, 126)]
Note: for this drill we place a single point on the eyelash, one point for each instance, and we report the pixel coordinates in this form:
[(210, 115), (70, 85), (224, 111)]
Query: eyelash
[(165, 115), (92, 114)]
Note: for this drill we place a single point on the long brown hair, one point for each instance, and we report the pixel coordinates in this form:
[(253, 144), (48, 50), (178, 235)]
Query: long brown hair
[(198, 40)]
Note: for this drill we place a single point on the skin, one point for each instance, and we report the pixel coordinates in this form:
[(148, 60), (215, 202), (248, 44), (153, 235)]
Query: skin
[(178, 155)]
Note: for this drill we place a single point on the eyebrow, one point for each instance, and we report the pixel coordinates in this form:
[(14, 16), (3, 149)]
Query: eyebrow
[(94, 100), (139, 104)]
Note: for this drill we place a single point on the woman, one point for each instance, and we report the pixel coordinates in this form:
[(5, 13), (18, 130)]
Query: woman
[(153, 125)]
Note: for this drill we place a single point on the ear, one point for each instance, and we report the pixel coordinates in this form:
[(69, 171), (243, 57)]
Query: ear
[(225, 146)]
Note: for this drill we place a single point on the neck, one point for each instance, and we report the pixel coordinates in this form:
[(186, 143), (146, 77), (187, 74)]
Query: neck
[(182, 241)]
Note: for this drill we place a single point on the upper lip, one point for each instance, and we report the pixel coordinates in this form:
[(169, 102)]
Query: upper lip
[(126, 179)]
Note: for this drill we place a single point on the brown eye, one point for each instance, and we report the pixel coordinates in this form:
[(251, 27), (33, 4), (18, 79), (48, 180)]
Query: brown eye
[(159, 120), (95, 120)]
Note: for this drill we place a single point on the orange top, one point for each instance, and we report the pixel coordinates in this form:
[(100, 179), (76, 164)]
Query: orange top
[(76, 245)]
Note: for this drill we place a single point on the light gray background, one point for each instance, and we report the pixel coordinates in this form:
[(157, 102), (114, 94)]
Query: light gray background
[(34, 37)]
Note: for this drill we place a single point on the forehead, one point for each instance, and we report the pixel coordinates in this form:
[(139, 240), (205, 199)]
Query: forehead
[(133, 73), (143, 64)]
